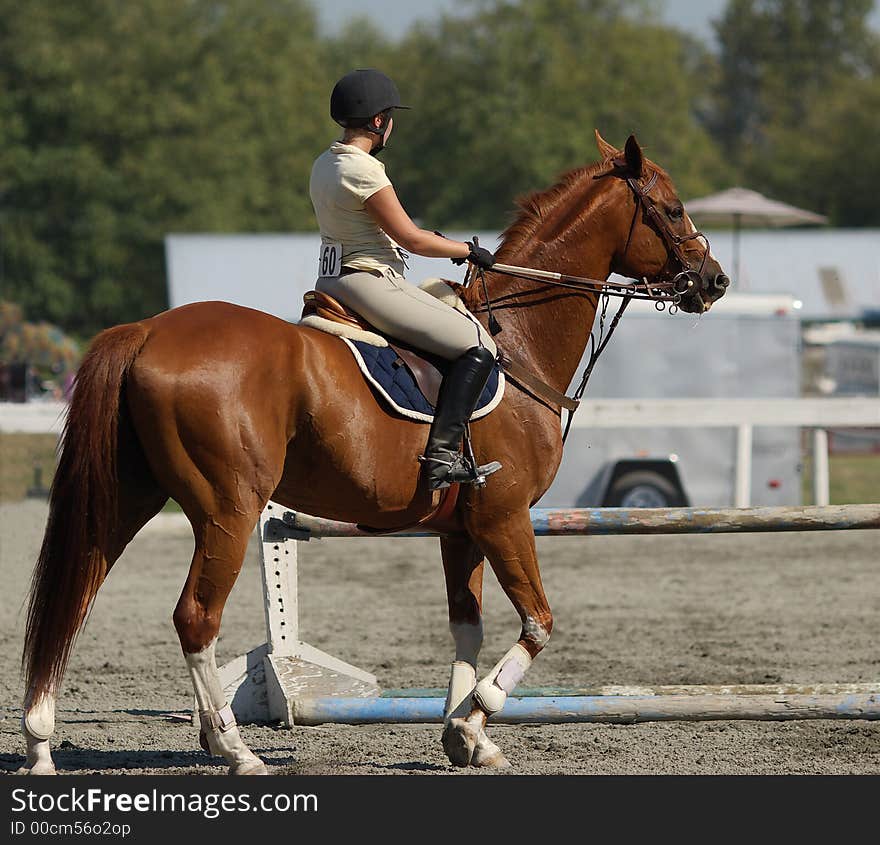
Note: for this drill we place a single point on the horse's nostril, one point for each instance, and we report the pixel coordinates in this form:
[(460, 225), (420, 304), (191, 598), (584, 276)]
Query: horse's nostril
[(722, 282)]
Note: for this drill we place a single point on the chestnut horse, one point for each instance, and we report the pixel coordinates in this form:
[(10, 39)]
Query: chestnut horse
[(222, 408)]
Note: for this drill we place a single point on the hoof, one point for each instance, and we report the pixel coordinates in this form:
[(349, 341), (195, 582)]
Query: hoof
[(38, 760), (483, 760), (249, 767), (459, 742), (487, 755), (203, 741), (40, 768)]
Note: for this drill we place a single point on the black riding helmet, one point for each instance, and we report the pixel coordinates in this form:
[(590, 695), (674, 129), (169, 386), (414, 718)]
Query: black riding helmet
[(362, 94)]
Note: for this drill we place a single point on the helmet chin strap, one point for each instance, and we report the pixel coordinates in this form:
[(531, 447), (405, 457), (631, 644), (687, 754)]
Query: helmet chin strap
[(382, 132)]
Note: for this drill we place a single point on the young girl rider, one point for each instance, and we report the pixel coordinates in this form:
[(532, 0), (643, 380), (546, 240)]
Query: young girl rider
[(363, 228)]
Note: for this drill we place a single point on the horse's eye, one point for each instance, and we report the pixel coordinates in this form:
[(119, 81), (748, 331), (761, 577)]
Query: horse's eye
[(676, 213)]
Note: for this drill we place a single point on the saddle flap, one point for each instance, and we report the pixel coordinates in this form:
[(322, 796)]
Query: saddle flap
[(427, 376)]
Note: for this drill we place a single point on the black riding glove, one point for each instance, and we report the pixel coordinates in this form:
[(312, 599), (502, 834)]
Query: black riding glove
[(479, 256)]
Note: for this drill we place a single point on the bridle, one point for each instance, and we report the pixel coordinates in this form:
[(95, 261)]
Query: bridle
[(668, 286), (685, 278)]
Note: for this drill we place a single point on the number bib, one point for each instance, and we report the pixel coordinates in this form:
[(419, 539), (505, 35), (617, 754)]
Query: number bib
[(330, 259)]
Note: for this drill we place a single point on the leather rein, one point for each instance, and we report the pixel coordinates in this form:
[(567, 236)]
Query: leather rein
[(667, 287)]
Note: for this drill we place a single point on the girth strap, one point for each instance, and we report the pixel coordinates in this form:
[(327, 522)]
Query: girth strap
[(541, 389), (440, 519)]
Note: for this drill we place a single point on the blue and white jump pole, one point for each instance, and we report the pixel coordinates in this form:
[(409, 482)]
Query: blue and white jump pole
[(290, 681), (559, 522), (615, 709)]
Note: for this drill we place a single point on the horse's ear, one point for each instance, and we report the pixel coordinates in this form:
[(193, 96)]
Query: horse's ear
[(605, 149), (634, 159)]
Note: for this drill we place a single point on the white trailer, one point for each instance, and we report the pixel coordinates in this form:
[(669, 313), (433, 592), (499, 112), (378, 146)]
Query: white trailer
[(746, 347)]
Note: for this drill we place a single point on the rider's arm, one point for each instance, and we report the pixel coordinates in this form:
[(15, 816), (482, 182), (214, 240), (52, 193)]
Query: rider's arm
[(385, 208)]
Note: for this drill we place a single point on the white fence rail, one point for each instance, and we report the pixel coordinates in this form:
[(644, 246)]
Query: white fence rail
[(650, 413), (32, 417)]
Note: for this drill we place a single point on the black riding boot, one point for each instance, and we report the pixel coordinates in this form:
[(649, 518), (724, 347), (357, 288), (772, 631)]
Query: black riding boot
[(459, 393)]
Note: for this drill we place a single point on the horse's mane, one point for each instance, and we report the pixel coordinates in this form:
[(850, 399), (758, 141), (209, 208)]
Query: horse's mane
[(534, 208)]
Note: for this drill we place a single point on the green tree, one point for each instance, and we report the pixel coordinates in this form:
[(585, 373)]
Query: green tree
[(778, 54), (831, 162), (790, 72), (124, 122), (121, 123), (508, 98)]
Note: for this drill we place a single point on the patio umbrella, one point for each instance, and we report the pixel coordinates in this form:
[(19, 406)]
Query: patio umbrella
[(743, 207)]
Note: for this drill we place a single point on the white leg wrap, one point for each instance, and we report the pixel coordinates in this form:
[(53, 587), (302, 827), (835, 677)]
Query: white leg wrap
[(206, 681), (215, 715), (39, 719), (217, 720), (462, 679), (491, 693)]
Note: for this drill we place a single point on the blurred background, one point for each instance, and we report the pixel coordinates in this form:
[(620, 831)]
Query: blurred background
[(157, 152)]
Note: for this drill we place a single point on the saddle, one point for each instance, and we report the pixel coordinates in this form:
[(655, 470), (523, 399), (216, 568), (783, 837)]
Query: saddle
[(426, 370), (426, 374), (324, 305)]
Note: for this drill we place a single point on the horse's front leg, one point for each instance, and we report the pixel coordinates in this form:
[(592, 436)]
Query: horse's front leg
[(463, 566), (510, 546)]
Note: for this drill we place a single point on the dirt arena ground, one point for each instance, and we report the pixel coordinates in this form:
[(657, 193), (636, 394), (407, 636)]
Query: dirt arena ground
[(793, 608)]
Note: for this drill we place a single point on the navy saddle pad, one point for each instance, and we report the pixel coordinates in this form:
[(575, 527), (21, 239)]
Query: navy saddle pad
[(394, 378)]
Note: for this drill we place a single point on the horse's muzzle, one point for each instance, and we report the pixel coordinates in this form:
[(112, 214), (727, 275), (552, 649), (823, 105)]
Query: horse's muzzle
[(720, 283)]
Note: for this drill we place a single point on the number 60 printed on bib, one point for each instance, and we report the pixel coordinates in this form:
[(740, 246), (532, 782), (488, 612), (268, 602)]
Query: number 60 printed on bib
[(330, 259)]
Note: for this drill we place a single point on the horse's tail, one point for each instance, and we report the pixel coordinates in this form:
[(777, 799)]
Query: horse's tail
[(82, 510)]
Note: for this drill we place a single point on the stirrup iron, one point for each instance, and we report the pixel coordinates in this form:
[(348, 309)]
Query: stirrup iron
[(470, 473)]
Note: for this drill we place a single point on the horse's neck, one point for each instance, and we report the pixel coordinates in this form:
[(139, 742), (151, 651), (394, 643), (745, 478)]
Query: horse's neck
[(546, 328)]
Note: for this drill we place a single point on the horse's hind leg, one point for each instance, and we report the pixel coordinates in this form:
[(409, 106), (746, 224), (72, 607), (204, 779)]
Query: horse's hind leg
[(463, 566), (139, 500), (221, 542), (510, 547)]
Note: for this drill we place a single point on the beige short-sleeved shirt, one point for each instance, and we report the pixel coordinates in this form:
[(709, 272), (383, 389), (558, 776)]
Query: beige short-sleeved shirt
[(343, 178)]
